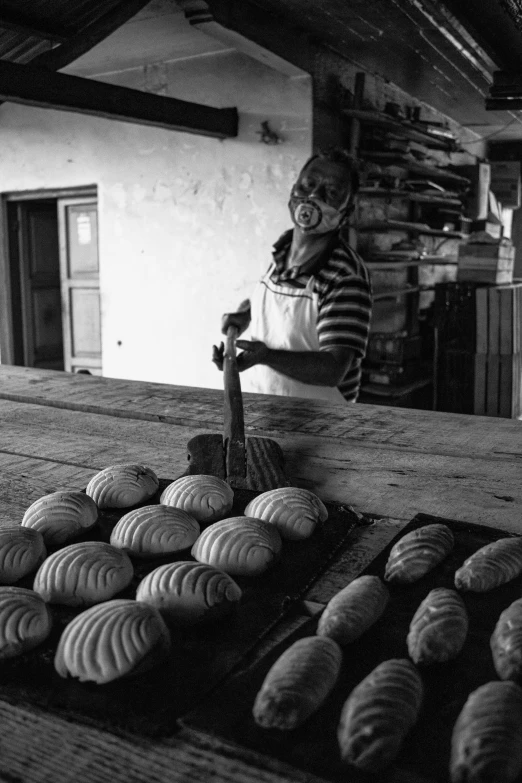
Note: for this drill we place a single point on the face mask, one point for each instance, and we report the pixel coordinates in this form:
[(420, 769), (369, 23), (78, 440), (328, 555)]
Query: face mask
[(314, 216)]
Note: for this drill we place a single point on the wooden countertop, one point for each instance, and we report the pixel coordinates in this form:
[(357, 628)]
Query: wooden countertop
[(58, 429)]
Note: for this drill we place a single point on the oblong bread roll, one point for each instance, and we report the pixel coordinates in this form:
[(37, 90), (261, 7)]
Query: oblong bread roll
[(298, 683), (491, 565), (122, 486), (354, 609), (506, 643), (241, 546), (378, 715), (188, 592), (152, 531), (206, 498), (486, 745), (61, 516), (439, 627), (83, 574), (25, 621), (22, 549), (295, 512), (418, 552), (111, 640)]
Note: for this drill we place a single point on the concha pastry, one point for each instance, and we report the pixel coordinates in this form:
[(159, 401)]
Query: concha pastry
[(439, 627), (295, 512), (506, 643), (241, 546), (378, 715), (83, 574), (61, 516), (25, 621), (354, 609), (418, 552), (491, 566), (298, 683), (188, 592), (206, 498), (121, 486), (22, 550), (112, 640), (486, 746), (152, 531)]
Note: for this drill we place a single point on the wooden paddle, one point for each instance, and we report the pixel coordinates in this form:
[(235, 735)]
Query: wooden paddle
[(245, 463)]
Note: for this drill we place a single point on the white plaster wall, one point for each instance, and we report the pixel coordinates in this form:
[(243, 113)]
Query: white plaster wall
[(186, 222)]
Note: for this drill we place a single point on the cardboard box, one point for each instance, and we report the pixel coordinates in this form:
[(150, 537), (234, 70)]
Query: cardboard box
[(505, 182)]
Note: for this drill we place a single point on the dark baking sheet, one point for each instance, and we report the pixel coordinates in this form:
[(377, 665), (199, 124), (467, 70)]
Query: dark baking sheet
[(425, 754), (150, 703)]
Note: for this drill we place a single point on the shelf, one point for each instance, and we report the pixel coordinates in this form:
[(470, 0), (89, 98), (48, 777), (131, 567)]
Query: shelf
[(396, 294), (413, 166), (403, 225), (421, 198), (388, 390), (408, 130), (393, 264)]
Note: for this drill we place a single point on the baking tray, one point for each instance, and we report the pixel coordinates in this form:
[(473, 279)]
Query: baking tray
[(150, 703), (313, 747)]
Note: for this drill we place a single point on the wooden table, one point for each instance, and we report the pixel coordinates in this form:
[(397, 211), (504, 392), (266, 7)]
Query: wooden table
[(58, 429)]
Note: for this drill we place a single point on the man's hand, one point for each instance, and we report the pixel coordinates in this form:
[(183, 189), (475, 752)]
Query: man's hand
[(240, 319), (254, 352)]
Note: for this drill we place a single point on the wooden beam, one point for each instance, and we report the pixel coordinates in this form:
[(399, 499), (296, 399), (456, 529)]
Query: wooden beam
[(89, 36), (25, 26), (38, 87)]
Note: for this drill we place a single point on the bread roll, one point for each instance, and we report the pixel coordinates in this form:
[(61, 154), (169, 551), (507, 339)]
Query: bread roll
[(241, 546), (83, 574), (206, 498), (491, 566), (486, 745), (506, 643), (298, 683), (295, 512), (152, 531), (378, 715), (188, 592), (22, 549), (122, 486), (112, 640), (439, 627), (25, 621), (418, 552), (61, 516), (354, 609)]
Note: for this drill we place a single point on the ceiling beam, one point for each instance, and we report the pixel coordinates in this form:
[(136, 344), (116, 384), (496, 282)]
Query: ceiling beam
[(25, 26), (32, 86)]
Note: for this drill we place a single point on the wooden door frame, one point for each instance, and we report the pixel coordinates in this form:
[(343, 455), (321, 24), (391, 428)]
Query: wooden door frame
[(7, 345)]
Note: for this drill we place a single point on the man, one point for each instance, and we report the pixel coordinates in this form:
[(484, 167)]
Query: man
[(310, 314)]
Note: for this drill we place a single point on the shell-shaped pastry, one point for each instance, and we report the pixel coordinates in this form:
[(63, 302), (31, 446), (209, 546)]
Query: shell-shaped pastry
[(491, 566), (506, 643), (188, 592), (21, 551), (61, 516), (298, 683), (486, 746), (83, 574), (354, 609), (378, 715), (112, 640), (439, 627), (152, 531), (206, 498), (25, 621), (241, 546), (295, 512), (121, 486), (418, 552)]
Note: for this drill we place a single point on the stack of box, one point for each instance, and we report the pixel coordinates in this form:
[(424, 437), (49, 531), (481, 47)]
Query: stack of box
[(487, 262), (498, 365)]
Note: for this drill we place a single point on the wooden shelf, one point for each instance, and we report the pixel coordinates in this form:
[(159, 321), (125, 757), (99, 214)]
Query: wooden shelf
[(413, 166), (411, 228), (398, 264), (420, 198), (406, 129)]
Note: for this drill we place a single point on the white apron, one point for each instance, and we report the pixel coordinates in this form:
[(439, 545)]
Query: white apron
[(285, 318)]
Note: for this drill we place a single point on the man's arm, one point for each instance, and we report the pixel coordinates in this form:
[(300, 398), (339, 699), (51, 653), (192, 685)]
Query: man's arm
[(319, 368)]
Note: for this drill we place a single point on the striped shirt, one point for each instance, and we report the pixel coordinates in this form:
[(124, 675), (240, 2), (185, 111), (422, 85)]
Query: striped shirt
[(344, 302)]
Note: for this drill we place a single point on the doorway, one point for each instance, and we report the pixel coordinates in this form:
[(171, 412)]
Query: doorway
[(51, 318)]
